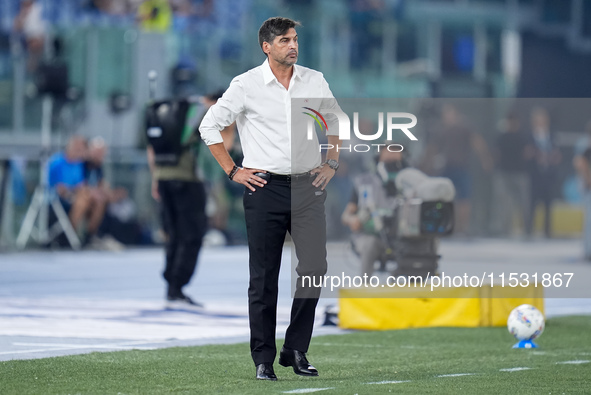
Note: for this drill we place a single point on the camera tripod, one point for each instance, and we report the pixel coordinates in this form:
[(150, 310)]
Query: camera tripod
[(45, 197)]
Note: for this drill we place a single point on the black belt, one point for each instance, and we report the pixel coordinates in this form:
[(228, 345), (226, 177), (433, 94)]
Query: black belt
[(290, 177)]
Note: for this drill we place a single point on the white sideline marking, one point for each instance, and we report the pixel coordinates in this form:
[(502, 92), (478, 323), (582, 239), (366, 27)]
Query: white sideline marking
[(513, 369), (68, 348), (32, 351), (349, 345), (307, 390), (61, 347), (456, 375), (390, 382), (113, 320), (577, 362)]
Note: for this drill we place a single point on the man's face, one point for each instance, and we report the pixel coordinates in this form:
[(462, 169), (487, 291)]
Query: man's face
[(77, 149), (284, 49), (97, 153)]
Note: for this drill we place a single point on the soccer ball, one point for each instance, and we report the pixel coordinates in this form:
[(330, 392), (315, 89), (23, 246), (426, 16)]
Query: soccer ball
[(525, 322)]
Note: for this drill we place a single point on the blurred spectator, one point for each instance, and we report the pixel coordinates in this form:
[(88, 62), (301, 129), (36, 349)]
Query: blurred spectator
[(182, 11), (205, 9), (29, 22), (511, 181), (66, 175), (366, 24), (449, 153), (584, 142), (93, 166), (182, 7), (155, 16), (544, 158), (582, 164), (109, 234), (112, 7), (183, 77), (93, 173)]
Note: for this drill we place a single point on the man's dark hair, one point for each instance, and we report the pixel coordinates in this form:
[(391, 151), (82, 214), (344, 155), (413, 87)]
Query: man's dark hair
[(273, 27)]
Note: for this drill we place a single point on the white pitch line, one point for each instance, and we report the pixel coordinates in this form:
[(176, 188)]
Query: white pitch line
[(577, 362), (116, 344), (307, 390), (74, 345), (390, 382), (69, 348), (63, 347), (513, 369), (350, 345), (32, 351), (456, 375)]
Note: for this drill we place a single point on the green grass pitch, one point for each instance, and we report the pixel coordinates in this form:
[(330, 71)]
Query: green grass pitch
[(415, 361)]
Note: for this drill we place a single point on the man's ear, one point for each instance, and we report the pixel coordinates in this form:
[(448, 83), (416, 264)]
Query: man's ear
[(266, 47)]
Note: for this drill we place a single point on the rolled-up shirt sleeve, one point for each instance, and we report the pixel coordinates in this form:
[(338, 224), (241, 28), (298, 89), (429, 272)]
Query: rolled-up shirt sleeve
[(223, 113), (329, 102)]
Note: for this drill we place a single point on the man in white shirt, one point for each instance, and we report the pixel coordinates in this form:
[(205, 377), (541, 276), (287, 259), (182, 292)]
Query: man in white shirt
[(30, 23), (284, 181)]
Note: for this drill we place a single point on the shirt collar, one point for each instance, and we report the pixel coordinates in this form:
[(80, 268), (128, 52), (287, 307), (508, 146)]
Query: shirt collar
[(268, 75)]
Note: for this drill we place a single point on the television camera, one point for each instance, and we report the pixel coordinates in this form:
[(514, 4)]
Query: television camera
[(411, 223)]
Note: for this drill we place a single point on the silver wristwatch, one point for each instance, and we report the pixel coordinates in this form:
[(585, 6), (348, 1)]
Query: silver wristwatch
[(333, 164)]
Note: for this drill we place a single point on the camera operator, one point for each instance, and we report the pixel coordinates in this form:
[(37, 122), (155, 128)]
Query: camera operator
[(172, 155), (373, 192)]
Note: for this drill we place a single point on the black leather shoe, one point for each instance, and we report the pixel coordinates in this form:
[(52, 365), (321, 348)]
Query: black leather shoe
[(298, 361), (265, 372)]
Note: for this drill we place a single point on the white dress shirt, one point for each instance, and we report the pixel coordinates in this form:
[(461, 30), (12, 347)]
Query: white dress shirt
[(273, 137)]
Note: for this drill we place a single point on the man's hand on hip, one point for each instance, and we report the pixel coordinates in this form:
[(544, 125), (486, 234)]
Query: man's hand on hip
[(246, 177), (323, 175)]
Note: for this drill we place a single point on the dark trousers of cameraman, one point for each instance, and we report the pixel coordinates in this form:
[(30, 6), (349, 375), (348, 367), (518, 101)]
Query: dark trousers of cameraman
[(185, 223), (281, 206)]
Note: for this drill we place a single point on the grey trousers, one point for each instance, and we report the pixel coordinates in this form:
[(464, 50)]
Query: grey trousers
[(370, 248), (511, 197)]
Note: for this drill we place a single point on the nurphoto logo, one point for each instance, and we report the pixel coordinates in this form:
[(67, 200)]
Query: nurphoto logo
[(392, 124)]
